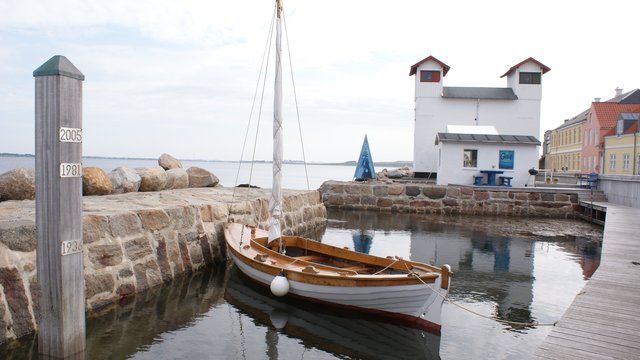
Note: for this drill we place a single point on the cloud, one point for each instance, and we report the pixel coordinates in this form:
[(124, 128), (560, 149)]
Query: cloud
[(178, 76)]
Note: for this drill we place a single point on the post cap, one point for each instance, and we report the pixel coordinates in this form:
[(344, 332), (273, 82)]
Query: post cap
[(59, 65)]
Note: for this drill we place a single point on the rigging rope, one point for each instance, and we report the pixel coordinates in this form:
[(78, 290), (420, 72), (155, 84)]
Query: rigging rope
[(295, 98), (266, 55), (508, 322)]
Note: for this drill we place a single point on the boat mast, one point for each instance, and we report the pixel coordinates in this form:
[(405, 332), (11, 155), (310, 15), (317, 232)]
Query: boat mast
[(275, 203)]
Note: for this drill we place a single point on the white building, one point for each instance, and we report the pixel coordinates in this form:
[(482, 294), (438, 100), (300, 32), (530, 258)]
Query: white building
[(513, 110), (465, 151)]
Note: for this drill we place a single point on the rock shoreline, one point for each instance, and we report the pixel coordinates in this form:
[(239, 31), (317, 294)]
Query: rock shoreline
[(19, 184)]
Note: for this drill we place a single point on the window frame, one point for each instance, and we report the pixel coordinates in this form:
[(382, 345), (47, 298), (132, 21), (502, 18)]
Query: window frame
[(435, 76), (625, 161), (529, 78), (472, 163), (612, 161)]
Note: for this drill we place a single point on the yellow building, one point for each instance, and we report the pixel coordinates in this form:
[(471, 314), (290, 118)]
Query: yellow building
[(622, 146), (564, 152)]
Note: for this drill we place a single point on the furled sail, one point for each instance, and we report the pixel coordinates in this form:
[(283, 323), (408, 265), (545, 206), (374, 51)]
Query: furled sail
[(364, 169), (275, 202)]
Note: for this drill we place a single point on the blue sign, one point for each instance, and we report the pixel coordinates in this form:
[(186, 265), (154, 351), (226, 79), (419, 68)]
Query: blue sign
[(506, 159)]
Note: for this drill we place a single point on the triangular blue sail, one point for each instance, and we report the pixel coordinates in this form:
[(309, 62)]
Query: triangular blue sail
[(365, 170)]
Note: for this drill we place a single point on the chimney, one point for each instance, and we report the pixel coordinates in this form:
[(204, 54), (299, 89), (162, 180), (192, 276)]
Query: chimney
[(596, 99), (618, 91)]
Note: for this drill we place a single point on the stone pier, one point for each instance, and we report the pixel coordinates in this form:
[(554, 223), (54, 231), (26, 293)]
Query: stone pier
[(428, 198), (135, 241)]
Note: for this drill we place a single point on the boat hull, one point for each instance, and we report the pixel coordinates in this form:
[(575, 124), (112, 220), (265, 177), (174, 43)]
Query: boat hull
[(405, 299), (406, 303)]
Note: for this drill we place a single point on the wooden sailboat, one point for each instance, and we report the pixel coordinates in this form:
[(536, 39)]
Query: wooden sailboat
[(392, 287)]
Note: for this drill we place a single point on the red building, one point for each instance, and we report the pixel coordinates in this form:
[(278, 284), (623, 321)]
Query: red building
[(601, 118)]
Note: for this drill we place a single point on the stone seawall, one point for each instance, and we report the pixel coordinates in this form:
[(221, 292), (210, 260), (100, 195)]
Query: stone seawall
[(416, 197), (135, 241)]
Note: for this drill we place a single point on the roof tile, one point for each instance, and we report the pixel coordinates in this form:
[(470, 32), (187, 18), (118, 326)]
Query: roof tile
[(607, 112)]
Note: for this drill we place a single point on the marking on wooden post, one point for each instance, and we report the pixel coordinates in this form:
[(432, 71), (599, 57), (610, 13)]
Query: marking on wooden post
[(58, 120)]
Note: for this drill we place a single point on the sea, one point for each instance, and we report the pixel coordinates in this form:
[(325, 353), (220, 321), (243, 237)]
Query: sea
[(294, 175)]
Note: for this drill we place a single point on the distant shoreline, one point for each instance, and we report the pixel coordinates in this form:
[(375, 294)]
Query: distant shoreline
[(293, 162)]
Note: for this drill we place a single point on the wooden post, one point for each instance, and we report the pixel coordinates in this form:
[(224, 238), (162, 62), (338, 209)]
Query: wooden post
[(61, 318)]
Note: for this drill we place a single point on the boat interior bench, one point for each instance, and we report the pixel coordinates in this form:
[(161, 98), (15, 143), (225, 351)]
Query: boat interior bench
[(327, 261)]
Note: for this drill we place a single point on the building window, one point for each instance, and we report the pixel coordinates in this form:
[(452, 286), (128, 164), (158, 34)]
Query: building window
[(620, 127), (429, 76), (612, 161), (530, 77), (470, 158), (625, 161)]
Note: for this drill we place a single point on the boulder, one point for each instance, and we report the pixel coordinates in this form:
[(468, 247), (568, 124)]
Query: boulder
[(124, 179), (177, 179), (199, 177), (18, 184), (95, 181), (152, 179), (168, 162), (396, 173)]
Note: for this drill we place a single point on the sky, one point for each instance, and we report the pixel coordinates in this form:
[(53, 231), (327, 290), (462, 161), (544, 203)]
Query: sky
[(179, 77)]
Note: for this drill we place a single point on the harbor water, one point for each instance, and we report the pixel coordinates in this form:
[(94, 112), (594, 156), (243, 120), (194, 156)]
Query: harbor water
[(508, 274)]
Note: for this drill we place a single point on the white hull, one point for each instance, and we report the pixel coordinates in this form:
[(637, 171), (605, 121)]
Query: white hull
[(420, 301)]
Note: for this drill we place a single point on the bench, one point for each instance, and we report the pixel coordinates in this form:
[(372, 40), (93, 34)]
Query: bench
[(477, 180), (588, 181), (506, 180)]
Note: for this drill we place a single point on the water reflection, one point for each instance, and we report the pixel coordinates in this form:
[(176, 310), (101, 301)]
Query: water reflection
[(362, 240), (124, 329), (121, 330), (341, 333), (493, 258)]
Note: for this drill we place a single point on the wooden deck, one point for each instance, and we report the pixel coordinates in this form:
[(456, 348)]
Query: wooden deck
[(603, 322)]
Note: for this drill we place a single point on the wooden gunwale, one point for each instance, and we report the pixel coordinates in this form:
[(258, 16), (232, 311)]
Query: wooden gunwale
[(326, 275)]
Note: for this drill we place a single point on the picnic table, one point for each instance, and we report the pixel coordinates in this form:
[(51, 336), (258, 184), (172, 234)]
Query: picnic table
[(491, 176)]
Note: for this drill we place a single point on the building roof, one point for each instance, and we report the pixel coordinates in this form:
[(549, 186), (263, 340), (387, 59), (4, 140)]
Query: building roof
[(607, 112), (574, 120), (414, 67), (543, 67), (630, 97), (629, 116), (484, 138), (630, 130), (456, 92)]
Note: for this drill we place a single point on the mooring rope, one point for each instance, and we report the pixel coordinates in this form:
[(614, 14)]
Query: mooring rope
[(508, 322), (388, 266)]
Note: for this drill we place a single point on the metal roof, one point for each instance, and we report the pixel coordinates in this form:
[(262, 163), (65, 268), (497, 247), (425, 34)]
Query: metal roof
[(453, 92), (483, 138), (629, 116)]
